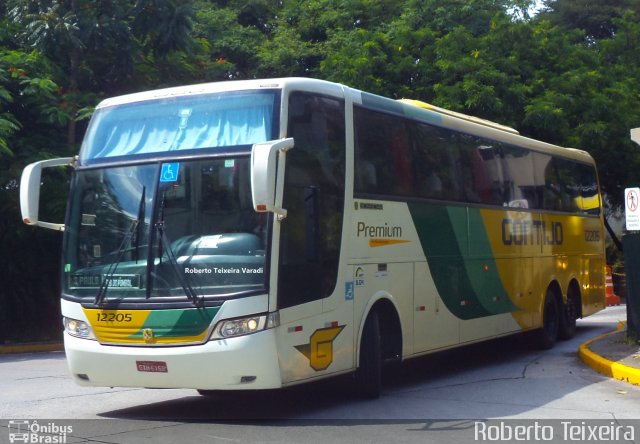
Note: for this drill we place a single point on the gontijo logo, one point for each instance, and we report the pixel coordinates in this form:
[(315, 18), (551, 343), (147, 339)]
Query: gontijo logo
[(319, 350), (528, 232)]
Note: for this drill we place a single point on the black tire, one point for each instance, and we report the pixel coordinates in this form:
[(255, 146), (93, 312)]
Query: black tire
[(569, 315), (369, 373), (547, 336)]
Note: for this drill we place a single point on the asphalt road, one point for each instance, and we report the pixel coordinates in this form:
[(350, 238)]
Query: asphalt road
[(437, 398)]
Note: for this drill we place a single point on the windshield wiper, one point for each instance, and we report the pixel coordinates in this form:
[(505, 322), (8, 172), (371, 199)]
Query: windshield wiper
[(126, 242), (140, 226), (163, 243)]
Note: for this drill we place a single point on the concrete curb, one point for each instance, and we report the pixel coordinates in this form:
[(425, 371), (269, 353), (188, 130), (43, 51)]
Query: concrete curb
[(606, 367), (31, 348)]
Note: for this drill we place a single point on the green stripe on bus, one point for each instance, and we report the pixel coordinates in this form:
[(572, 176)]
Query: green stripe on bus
[(441, 231), (469, 287), (384, 104), (381, 103), (483, 272), (178, 323)]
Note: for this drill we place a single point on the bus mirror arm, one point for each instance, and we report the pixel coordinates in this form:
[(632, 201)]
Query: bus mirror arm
[(30, 191), (267, 175)]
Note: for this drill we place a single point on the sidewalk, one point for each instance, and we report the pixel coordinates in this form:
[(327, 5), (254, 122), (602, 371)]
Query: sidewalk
[(613, 355), (35, 347)]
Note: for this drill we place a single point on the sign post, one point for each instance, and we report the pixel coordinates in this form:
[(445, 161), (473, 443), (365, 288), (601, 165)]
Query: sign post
[(632, 208), (631, 248)]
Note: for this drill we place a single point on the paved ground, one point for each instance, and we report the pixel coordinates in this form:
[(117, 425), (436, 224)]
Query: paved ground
[(611, 354), (436, 399)]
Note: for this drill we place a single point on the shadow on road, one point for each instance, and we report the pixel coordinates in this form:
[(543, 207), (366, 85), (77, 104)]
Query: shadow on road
[(411, 383)]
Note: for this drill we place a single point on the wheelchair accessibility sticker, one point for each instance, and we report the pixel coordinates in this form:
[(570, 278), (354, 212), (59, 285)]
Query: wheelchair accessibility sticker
[(169, 172)]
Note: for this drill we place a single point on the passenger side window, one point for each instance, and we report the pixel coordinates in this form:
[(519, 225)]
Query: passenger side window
[(482, 171), (519, 177), (588, 183), (437, 164), (311, 234), (395, 156), (384, 154), (579, 189)]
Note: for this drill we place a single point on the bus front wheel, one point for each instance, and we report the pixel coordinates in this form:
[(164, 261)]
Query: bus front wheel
[(369, 372)]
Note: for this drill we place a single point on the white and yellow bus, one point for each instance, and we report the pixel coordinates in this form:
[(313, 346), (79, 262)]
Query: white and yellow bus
[(260, 234)]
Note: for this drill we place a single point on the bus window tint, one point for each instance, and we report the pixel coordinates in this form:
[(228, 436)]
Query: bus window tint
[(579, 187), (541, 175), (383, 154), (394, 157), (588, 183), (519, 177), (554, 195), (437, 159), (314, 199), (482, 170), (407, 159), (569, 177)]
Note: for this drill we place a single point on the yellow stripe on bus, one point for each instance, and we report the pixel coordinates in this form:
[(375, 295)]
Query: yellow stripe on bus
[(378, 242)]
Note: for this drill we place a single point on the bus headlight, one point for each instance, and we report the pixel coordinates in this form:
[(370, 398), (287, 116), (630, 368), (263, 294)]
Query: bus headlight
[(78, 328), (245, 326)]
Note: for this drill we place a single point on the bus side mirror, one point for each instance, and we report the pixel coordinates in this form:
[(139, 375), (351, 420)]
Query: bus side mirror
[(267, 175), (30, 191)]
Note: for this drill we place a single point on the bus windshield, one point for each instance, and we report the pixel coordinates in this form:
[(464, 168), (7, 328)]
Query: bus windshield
[(181, 123), (164, 230)]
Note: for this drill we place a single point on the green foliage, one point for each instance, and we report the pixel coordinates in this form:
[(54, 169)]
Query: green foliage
[(57, 60), (598, 19), (8, 126), (28, 96), (227, 48), (30, 118), (162, 25)]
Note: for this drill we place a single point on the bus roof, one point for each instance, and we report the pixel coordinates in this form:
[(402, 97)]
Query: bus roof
[(422, 111), (447, 112), (306, 84), (415, 109)]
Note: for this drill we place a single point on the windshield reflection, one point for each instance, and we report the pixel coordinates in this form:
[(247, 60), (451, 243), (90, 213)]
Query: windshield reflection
[(194, 234)]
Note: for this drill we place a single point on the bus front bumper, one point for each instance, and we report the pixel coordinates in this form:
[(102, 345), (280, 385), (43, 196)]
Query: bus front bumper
[(243, 363)]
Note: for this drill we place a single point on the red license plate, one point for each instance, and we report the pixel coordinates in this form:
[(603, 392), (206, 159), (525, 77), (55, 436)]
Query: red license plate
[(152, 366)]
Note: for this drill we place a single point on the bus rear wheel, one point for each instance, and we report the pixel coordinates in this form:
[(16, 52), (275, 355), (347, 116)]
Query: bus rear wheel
[(369, 372), (568, 317), (547, 335)]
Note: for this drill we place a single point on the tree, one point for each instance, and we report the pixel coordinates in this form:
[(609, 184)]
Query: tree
[(97, 42), (30, 104), (231, 36), (597, 19), (567, 75)]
